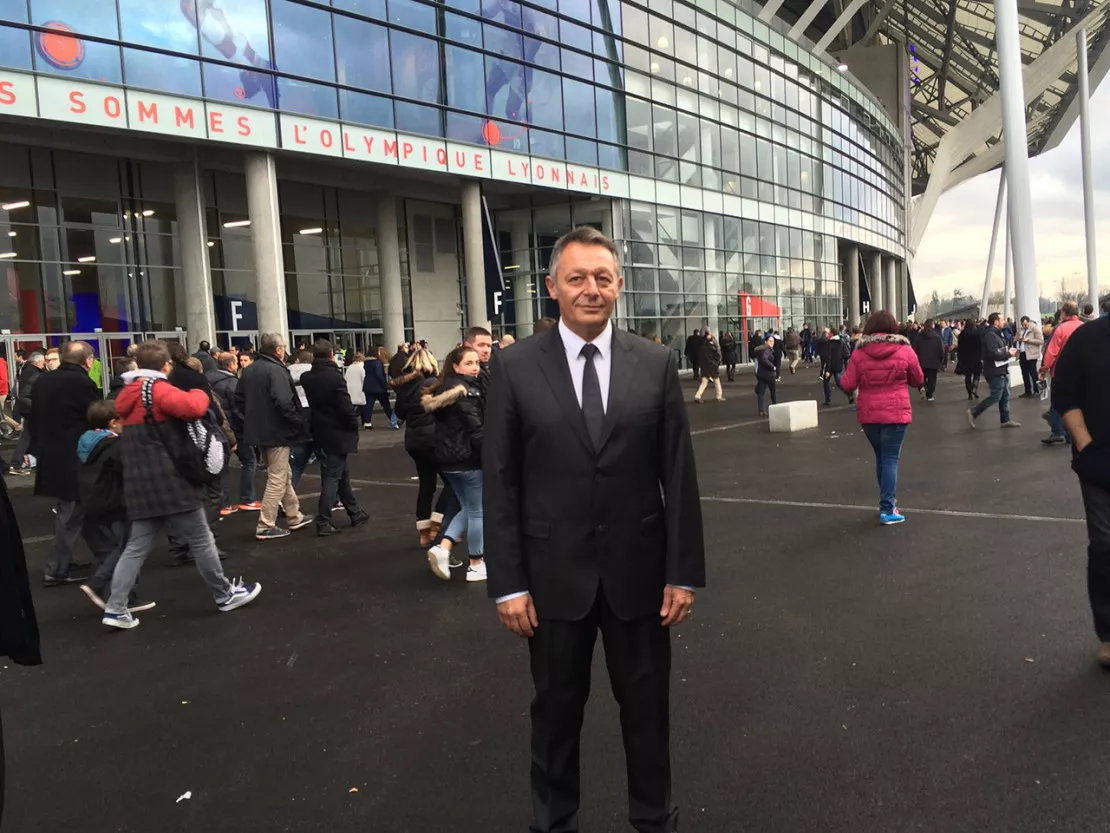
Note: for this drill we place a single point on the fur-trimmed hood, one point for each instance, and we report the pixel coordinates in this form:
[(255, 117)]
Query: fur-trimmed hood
[(883, 345), (454, 389), (401, 381)]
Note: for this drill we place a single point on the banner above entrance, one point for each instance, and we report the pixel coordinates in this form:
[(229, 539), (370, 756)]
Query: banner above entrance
[(107, 105)]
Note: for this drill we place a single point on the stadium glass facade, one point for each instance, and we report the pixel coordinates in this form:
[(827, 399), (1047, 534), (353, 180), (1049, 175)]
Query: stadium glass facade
[(730, 164)]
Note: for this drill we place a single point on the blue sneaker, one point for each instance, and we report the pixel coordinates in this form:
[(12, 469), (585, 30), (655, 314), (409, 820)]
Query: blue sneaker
[(889, 519), (241, 594), (123, 621)]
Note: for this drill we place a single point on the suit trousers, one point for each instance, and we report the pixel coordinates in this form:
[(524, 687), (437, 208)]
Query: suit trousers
[(1096, 502), (638, 657)]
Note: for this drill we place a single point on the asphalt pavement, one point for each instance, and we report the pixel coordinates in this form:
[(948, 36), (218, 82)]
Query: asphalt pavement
[(838, 675)]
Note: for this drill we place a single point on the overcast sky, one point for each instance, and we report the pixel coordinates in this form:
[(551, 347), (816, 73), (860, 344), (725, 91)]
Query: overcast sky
[(953, 253)]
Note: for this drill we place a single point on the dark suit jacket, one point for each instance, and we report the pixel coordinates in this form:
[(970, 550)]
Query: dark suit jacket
[(58, 408), (562, 519), (335, 423)]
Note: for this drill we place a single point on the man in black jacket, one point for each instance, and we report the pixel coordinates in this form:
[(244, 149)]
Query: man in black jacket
[(224, 383), (273, 422), (1081, 394), (996, 368), (335, 427), (19, 631), (204, 354), (930, 353), (32, 369), (397, 363), (594, 523), (58, 413)]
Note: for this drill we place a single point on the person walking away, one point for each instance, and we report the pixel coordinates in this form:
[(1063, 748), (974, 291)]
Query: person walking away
[(156, 494), (100, 486), (19, 631), (589, 404), (335, 427), (970, 361), (807, 343), (397, 363), (776, 345), (273, 422), (834, 360), (881, 370), (33, 369), (792, 342), (754, 340), (766, 373), (354, 374), (59, 411), (300, 455), (930, 355), (709, 367), (455, 402), (1029, 341), (421, 374), (729, 354), (204, 356), (376, 389), (1068, 326), (224, 383), (1081, 394), (996, 368), (693, 350)]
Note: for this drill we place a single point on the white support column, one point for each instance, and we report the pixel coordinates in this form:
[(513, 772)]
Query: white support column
[(269, 264), (389, 262), (1008, 282), (985, 304), (192, 238), (1084, 95), (851, 283), (524, 277), (1020, 205), (890, 286), (875, 282), (904, 291), (474, 262)]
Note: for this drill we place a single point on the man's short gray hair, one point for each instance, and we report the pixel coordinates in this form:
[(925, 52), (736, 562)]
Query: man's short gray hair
[(587, 236), (37, 358), (270, 342)]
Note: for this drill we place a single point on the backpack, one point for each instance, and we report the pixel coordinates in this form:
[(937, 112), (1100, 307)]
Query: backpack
[(200, 450)]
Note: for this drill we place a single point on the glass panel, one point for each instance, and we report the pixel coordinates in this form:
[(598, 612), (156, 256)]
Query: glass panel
[(415, 63), (363, 108), (359, 48), (15, 48), (311, 99), (302, 40), (145, 22), (165, 73)]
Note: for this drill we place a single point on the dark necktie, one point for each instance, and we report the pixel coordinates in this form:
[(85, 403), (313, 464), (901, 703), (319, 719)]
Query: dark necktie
[(592, 408)]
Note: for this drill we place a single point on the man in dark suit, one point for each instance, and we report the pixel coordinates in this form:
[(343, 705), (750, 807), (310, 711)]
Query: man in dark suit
[(593, 522)]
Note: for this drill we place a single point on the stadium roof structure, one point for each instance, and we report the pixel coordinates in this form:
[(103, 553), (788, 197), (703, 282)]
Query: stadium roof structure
[(956, 119)]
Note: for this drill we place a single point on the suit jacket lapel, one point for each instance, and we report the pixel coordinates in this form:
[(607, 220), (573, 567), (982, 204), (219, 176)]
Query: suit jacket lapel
[(622, 368), (553, 365)]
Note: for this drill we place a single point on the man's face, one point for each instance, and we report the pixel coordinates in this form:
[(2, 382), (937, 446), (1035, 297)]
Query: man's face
[(280, 352), (52, 362), (244, 361), (998, 322), (587, 286), (484, 345)]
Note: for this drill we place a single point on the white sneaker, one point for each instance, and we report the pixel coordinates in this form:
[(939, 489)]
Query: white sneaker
[(438, 559), (476, 573)]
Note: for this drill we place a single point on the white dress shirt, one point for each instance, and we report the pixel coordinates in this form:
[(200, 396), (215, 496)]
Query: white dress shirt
[(603, 364), (603, 361)]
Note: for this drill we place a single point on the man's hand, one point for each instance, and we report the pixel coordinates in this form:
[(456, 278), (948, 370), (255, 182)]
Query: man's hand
[(519, 615), (678, 604)]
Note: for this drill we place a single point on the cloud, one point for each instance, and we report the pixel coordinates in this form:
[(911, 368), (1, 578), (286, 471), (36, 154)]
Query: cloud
[(954, 251)]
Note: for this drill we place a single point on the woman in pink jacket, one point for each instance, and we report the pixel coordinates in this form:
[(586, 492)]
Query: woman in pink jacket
[(882, 369)]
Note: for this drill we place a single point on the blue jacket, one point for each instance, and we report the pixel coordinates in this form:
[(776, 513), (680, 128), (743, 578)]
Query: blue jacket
[(375, 383)]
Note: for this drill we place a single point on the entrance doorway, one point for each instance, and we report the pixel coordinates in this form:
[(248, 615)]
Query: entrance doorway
[(239, 339)]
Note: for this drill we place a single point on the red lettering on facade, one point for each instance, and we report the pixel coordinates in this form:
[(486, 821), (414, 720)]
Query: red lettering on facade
[(297, 137), (541, 172), (604, 183), (424, 150), (441, 157), (215, 122), (77, 102), (7, 92), (554, 174), (479, 162), (460, 158), (148, 112), (390, 148), (509, 164), (347, 146), (181, 117), (585, 181), (406, 149), (112, 107), (369, 140), (525, 166), (326, 138), (244, 123)]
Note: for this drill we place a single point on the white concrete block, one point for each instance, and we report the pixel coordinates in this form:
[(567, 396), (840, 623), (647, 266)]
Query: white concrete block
[(1015, 376), (787, 417)]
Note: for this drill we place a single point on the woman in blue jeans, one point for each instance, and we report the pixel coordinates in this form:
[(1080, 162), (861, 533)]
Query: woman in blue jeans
[(455, 401), (882, 369)]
